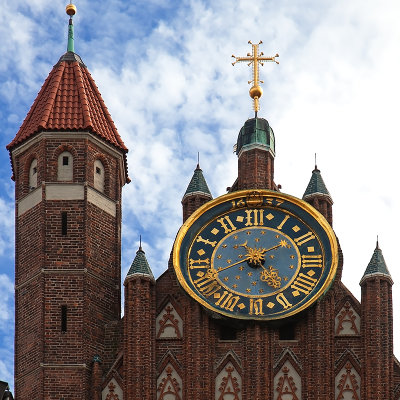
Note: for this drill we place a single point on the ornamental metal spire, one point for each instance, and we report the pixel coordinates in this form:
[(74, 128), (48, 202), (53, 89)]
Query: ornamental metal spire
[(255, 58), (71, 11)]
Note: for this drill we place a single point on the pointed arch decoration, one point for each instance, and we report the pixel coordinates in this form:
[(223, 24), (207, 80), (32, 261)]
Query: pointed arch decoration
[(112, 391), (347, 321), (169, 324), (169, 384), (287, 379), (228, 380), (347, 383)]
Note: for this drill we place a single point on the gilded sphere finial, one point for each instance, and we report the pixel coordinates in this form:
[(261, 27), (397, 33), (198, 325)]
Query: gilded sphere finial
[(255, 91), (70, 10)]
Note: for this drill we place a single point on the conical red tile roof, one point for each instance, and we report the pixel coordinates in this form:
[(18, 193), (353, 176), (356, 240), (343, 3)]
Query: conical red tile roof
[(69, 100)]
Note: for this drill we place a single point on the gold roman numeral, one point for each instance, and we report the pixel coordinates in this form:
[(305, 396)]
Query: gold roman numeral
[(206, 241), (311, 261), (256, 307), (305, 238), (225, 221), (197, 264), (227, 301), (254, 217), (303, 283), (207, 284), (281, 299), (280, 226)]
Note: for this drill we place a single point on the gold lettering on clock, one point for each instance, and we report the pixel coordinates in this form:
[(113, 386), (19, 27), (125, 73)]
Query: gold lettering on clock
[(225, 221), (227, 301), (199, 263), (311, 261), (281, 299), (305, 238), (303, 283), (254, 217), (256, 307), (280, 226), (207, 284), (206, 241)]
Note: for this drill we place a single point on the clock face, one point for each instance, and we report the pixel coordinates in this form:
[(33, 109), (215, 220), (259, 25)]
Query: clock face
[(256, 255)]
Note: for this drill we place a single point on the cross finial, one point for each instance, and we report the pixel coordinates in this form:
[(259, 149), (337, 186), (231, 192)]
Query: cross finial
[(255, 58)]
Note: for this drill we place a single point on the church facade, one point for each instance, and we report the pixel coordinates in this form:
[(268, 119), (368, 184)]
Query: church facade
[(258, 326)]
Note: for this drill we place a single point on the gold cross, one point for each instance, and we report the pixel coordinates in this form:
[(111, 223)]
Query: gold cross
[(255, 58)]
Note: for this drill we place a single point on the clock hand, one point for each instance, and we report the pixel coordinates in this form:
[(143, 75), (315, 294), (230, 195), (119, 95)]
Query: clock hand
[(236, 263), (282, 243)]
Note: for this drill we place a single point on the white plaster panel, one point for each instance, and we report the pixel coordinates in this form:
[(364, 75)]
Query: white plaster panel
[(65, 191), (114, 393), (347, 384), (29, 201), (347, 321), (101, 201), (289, 380), (168, 323), (169, 384), (228, 392)]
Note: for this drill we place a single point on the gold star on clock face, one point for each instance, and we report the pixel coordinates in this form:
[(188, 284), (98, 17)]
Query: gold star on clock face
[(257, 240), (235, 246), (277, 236), (224, 246), (248, 233), (262, 232), (292, 256), (272, 256), (241, 268), (228, 260), (248, 290), (261, 291), (250, 274), (254, 283), (291, 266), (219, 256), (237, 277), (235, 237), (226, 279), (285, 278), (234, 286)]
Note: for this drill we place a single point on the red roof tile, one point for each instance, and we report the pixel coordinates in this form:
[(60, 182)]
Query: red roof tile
[(69, 100)]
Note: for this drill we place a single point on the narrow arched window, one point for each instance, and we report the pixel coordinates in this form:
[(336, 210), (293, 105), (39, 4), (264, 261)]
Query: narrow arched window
[(65, 167), (33, 175), (99, 175)]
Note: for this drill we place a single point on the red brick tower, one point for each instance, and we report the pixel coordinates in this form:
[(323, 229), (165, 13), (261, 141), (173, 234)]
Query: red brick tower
[(139, 331), (377, 329), (256, 152), (69, 166)]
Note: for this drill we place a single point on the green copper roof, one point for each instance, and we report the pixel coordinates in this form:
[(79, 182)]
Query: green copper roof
[(316, 185), (140, 265), (377, 265), (198, 183), (256, 131)]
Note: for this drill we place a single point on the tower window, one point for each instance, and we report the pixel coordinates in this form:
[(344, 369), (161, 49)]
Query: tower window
[(99, 175), (64, 311), (65, 167), (64, 223), (33, 175), (287, 331)]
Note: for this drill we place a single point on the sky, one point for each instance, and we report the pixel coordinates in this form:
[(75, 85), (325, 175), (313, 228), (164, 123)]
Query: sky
[(164, 71)]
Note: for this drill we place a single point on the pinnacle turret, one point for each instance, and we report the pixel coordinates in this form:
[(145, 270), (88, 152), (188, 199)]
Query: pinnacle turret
[(198, 184), (316, 186), (377, 266), (140, 266)]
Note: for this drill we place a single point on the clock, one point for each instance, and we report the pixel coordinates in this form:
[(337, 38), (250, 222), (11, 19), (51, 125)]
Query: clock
[(259, 255)]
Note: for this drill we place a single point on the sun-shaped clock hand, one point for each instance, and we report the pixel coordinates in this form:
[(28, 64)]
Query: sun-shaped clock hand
[(256, 256)]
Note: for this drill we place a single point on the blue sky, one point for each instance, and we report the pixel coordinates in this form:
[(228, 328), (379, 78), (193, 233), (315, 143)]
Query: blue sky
[(164, 70)]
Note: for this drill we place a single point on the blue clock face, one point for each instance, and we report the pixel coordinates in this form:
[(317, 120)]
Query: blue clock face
[(256, 255)]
